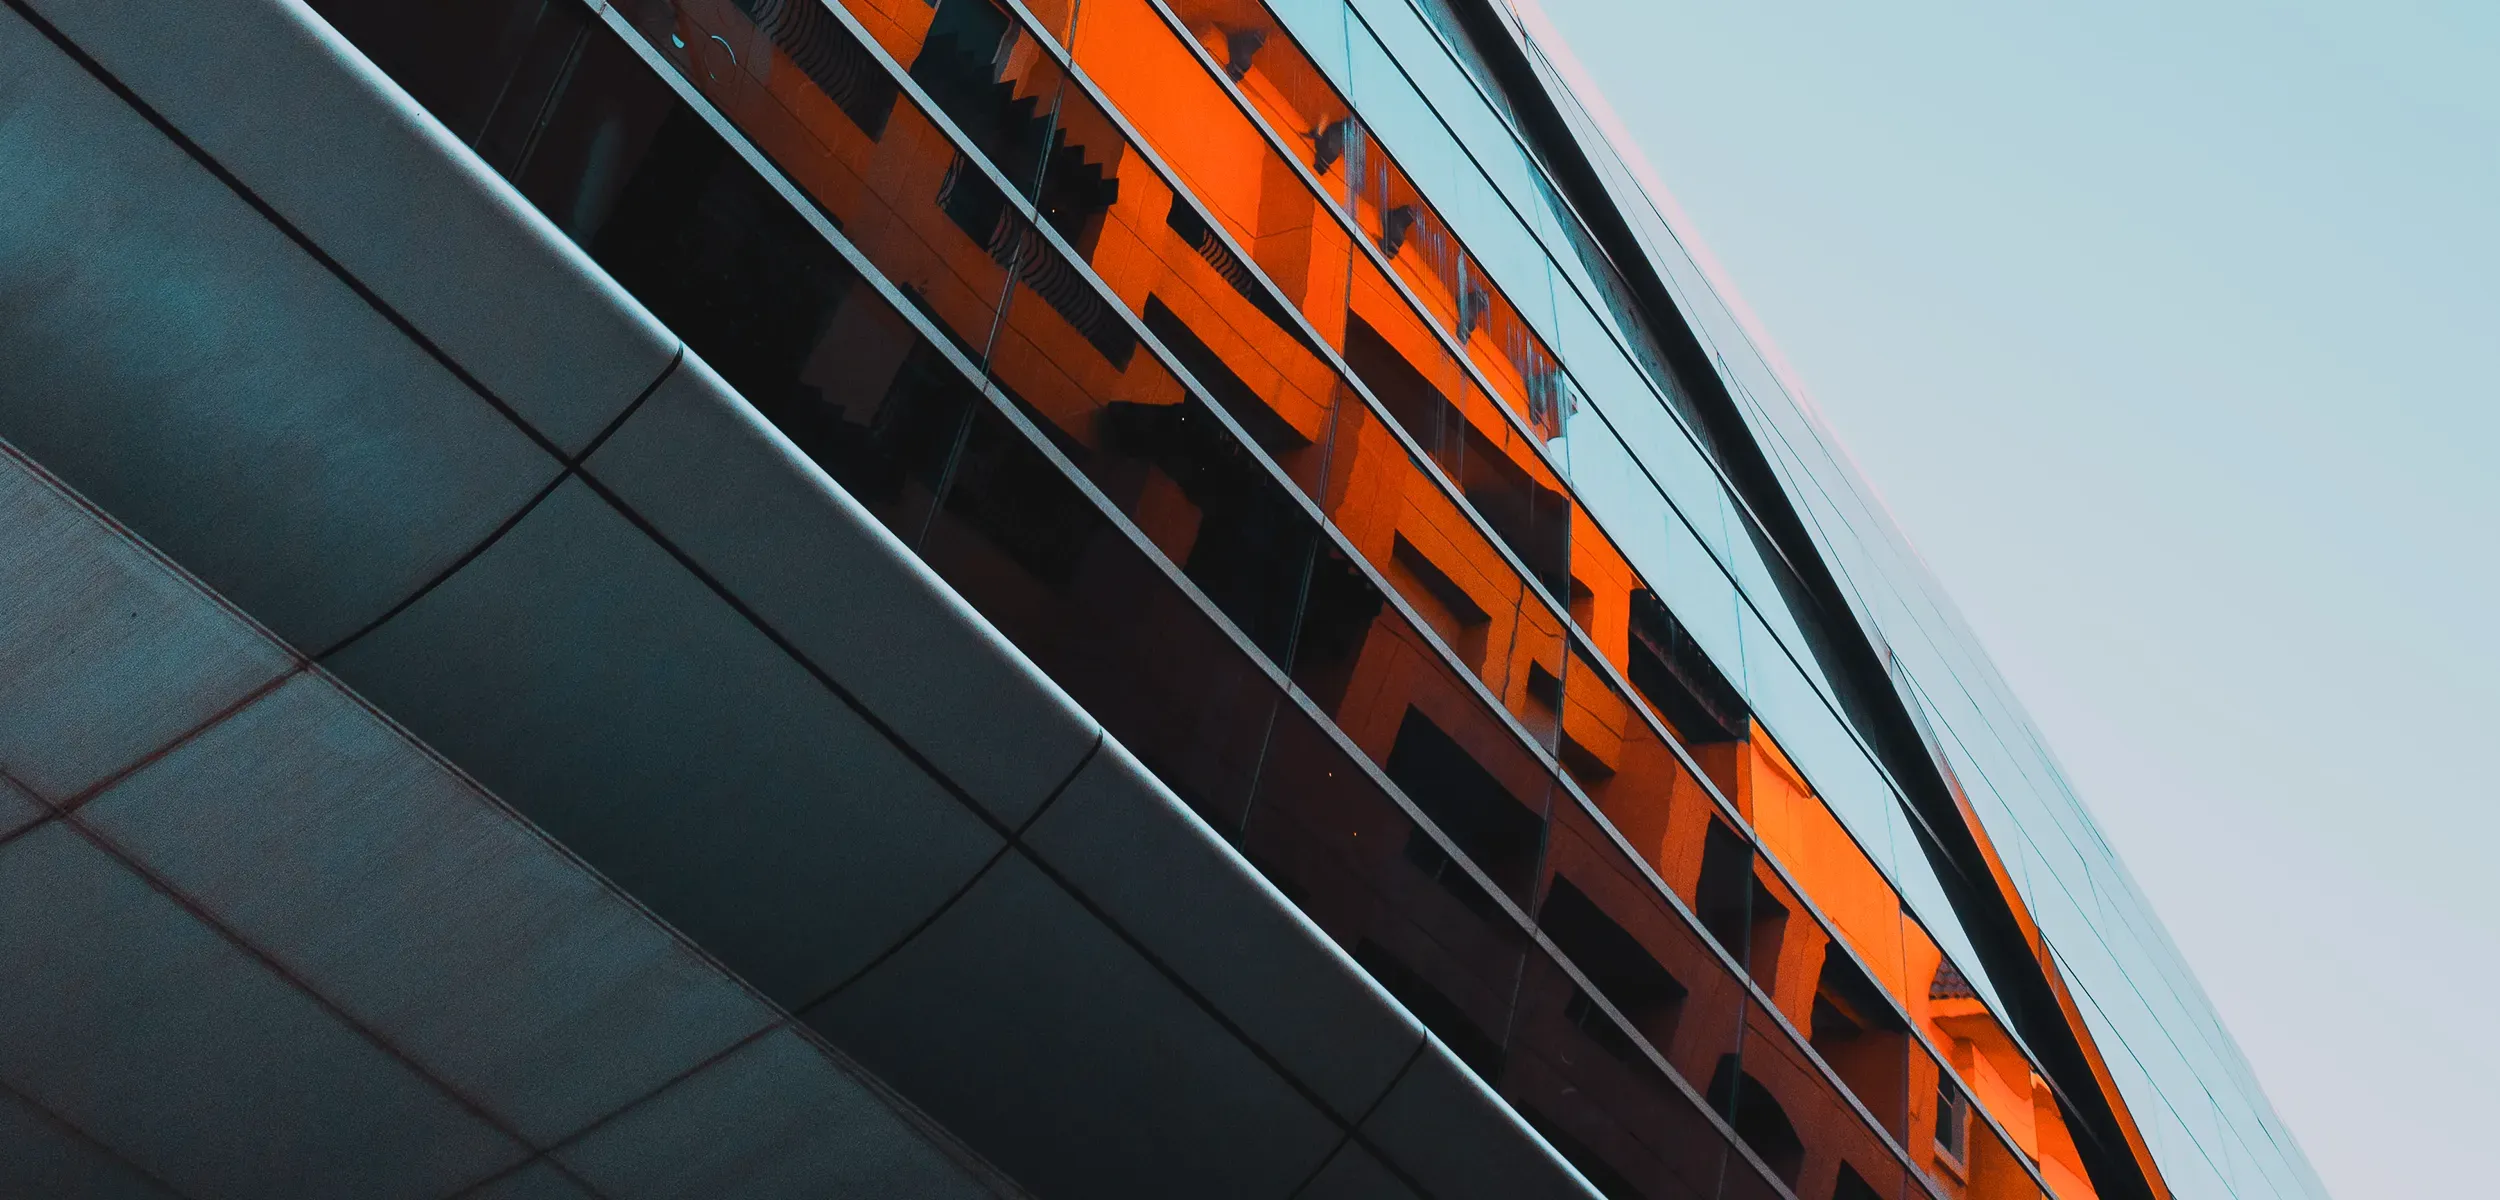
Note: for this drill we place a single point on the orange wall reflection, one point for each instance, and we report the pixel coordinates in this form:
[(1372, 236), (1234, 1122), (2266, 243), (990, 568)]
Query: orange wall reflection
[(1427, 462)]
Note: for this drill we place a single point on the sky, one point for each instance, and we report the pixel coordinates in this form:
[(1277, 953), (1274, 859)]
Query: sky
[(2170, 333)]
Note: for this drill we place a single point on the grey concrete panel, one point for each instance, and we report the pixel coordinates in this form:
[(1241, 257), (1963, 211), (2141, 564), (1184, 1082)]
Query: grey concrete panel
[(107, 652), (17, 809), (39, 1156), (1142, 856), (329, 142), (393, 887), (594, 684), (774, 528), (1355, 1175), (537, 1181), (165, 1042), (778, 1118), (1454, 1136), (199, 376), (1036, 1035)]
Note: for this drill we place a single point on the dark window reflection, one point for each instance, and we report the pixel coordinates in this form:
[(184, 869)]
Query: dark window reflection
[(980, 210), (961, 65), (1620, 968), (1677, 677), (1757, 1118), (1337, 841), (1471, 806), (1736, 908), (1862, 1037), (1032, 552), (834, 60), (1853, 1186), (1337, 614), (1272, 432), (1019, 505), (1619, 1118), (726, 262), (1252, 544)]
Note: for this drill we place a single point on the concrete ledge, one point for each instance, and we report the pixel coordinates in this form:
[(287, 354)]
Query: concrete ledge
[(299, 118)]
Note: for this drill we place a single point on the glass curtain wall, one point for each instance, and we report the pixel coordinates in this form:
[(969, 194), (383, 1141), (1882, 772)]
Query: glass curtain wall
[(1267, 484), (2079, 894)]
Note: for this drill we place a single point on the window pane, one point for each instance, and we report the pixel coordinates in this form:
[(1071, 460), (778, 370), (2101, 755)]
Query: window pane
[(1330, 836)]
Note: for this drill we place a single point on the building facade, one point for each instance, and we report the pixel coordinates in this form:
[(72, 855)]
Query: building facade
[(760, 597)]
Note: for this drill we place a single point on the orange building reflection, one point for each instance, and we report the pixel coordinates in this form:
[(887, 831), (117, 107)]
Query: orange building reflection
[(1220, 269)]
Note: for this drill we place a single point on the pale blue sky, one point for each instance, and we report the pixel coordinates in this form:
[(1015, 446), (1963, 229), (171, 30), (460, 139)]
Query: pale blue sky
[(2170, 332)]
